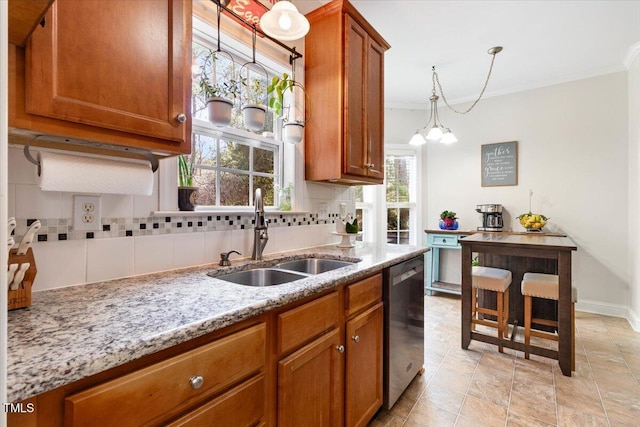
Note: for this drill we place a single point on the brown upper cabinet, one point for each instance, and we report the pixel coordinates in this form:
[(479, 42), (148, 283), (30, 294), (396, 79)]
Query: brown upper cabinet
[(344, 77), (23, 17), (112, 71)]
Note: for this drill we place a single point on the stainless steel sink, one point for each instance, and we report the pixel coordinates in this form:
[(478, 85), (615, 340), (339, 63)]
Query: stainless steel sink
[(261, 277), (313, 265)]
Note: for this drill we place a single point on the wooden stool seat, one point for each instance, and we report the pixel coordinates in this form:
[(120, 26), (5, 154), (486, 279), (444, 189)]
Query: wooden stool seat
[(498, 281), (538, 285)]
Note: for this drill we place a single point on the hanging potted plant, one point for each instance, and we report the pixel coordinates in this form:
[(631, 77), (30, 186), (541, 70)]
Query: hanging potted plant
[(253, 111), (187, 193), (293, 130), (219, 97)]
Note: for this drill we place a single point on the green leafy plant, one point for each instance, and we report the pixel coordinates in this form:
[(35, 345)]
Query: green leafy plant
[(276, 89), (185, 172), (351, 227), (448, 214), (254, 92), (229, 89), (285, 197)]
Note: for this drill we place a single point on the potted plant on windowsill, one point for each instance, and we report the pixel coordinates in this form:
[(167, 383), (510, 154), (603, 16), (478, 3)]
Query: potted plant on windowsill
[(187, 193)]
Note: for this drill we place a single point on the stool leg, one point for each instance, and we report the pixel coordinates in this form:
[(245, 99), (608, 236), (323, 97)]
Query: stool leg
[(506, 313), (473, 308), (500, 319), (573, 337), (527, 323)]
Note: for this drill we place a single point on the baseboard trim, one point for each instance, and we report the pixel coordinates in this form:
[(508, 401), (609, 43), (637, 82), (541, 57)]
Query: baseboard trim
[(634, 320), (614, 310)]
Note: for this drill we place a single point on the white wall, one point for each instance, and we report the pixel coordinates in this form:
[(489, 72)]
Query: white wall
[(572, 153), (634, 189)]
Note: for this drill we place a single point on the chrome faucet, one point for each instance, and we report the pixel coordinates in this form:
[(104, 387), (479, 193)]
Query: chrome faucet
[(260, 236)]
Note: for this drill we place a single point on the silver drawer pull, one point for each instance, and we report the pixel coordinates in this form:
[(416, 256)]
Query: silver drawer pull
[(340, 348), (181, 118), (196, 382), (355, 338)]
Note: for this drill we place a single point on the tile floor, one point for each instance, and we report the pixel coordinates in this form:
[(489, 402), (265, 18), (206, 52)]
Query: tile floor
[(481, 387)]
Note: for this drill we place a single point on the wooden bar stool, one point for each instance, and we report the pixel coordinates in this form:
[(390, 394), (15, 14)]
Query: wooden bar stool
[(539, 285), (498, 281)]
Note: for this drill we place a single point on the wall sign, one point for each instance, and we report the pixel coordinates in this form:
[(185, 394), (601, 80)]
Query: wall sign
[(499, 164), (250, 10)]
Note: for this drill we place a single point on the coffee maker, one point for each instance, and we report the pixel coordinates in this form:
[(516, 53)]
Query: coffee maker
[(491, 217)]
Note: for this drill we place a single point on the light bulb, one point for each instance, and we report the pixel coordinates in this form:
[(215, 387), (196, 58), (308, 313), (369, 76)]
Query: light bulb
[(285, 21)]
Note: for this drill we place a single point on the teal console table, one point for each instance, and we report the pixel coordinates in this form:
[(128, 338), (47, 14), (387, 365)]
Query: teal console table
[(437, 240)]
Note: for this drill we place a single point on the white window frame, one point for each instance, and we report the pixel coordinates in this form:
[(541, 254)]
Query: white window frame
[(374, 207), (249, 138), (413, 195)]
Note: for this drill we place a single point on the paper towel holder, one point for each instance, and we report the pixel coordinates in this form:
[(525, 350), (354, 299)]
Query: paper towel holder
[(153, 160)]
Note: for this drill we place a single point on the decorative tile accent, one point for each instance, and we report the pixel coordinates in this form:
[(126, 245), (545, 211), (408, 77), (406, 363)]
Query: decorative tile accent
[(56, 229)]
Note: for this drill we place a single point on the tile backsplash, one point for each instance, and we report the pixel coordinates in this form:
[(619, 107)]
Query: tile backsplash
[(130, 241), (54, 229)]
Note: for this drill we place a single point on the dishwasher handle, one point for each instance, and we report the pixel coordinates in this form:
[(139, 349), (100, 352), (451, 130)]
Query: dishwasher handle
[(406, 275)]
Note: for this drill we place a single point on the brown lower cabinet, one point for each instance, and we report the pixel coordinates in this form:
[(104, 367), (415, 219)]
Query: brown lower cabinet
[(316, 362), (363, 392), (309, 384)]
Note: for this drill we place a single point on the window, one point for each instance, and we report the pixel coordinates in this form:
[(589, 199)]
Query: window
[(231, 162), (229, 167), (400, 179)]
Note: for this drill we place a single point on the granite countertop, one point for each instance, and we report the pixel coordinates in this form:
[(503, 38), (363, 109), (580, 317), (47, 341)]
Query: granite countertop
[(71, 333)]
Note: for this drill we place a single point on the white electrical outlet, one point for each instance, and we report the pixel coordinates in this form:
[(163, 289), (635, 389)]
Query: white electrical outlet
[(86, 213)]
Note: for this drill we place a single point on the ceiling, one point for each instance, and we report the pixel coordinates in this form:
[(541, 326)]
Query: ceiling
[(545, 43)]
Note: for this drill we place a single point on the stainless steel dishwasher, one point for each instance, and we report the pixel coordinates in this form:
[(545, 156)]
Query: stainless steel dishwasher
[(403, 326)]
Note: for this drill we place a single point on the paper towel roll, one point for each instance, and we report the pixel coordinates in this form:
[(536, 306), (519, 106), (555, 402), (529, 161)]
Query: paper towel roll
[(63, 172)]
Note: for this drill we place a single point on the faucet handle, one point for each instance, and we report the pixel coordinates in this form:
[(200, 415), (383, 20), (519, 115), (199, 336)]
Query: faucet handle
[(224, 258)]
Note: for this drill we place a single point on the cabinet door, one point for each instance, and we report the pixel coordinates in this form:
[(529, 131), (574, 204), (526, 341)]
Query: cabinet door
[(310, 384), (364, 366), (354, 141), (114, 64), (375, 110)]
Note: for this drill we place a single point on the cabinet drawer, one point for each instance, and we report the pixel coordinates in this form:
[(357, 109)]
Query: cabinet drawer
[(148, 394), (302, 324), (442, 240), (363, 293), (240, 406)]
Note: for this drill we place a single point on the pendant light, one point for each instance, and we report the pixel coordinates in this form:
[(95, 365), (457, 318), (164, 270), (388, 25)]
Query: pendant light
[(284, 22), (435, 131)]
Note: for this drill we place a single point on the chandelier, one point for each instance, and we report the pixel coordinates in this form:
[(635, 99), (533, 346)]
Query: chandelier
[(435, 131)]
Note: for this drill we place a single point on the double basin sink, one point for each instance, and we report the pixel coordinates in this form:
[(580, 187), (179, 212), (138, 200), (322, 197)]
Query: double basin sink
[(284, 272)]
